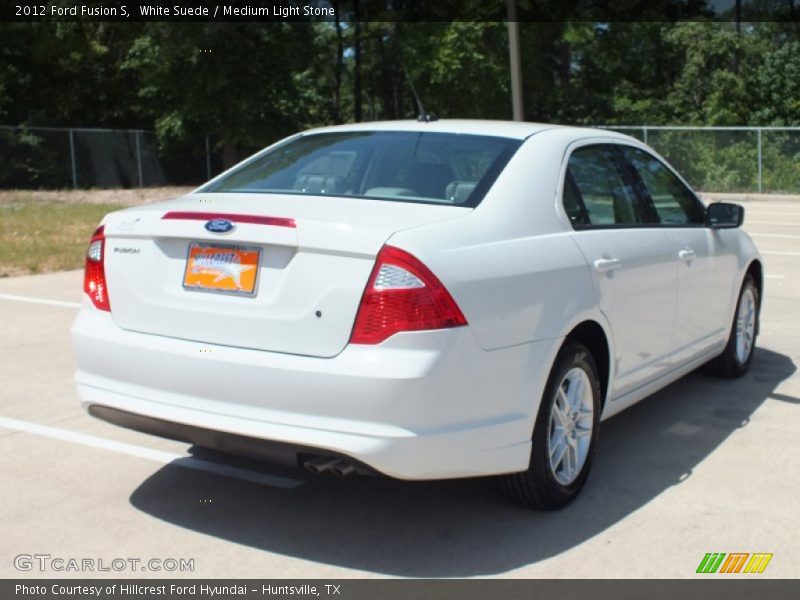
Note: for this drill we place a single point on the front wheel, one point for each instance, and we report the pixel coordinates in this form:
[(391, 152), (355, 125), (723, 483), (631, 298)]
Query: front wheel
[(565, 434), (738, 354)]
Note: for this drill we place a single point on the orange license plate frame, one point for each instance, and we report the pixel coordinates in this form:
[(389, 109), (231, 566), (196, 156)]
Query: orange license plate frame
[(222, 269)]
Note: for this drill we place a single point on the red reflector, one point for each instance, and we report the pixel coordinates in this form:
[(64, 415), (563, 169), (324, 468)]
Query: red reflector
[(387, 310), (235, 218), (94, 275)]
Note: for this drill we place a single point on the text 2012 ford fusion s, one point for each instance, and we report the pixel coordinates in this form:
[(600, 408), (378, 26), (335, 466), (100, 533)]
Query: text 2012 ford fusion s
[(423, 300)]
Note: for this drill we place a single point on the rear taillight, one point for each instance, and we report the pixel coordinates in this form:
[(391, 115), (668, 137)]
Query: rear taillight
[(94, 274), (402, 294)]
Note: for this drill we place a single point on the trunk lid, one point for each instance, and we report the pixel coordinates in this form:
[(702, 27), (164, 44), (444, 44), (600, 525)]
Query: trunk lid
[(309, 278)]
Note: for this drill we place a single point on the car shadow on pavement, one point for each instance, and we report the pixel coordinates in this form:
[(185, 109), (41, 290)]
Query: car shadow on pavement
[(467, 527)]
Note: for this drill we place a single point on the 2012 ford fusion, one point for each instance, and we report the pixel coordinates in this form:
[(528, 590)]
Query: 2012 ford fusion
[(423, 300)]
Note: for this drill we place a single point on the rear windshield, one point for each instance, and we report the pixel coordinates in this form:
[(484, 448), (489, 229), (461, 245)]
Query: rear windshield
[(436, 168)]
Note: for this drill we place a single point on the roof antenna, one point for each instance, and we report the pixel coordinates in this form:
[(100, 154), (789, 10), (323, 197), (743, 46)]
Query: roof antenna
[(422, 117)]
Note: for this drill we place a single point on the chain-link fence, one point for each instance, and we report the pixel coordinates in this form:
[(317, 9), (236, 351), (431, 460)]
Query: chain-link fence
[(729, 159), (712, 159), (49, 157)]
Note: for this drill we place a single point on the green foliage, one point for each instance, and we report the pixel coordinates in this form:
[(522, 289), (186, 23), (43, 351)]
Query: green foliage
[(719, 161), (28, 160), (777, 83), (66, 73), (248, 84), (233, 80), (781, 161), (443, 55)]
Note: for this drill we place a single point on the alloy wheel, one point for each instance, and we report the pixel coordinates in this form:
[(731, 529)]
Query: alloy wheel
[(745, 325), (571, 422)]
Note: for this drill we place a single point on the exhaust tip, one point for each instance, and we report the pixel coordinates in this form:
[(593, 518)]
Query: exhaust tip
[(321, 464), (342, 468), (329, 464)]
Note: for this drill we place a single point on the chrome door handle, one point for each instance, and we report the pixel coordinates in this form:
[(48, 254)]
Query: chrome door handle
[(603, 265), (686, 255)]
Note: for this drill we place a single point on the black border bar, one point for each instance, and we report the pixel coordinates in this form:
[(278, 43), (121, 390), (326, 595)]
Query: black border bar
[(711, 587), (393, 10)]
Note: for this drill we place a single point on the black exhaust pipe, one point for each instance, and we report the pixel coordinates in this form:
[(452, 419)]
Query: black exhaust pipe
[(342, 468), (321, 464)]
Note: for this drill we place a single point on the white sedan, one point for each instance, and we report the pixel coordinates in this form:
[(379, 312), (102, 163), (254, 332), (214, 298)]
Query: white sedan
[(423, 300)]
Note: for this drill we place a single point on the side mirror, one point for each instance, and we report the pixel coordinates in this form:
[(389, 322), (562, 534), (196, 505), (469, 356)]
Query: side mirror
[(724, 215)]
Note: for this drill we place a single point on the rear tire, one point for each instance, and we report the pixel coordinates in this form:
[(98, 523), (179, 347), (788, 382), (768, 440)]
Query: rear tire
[(565, 434), (735, 360)]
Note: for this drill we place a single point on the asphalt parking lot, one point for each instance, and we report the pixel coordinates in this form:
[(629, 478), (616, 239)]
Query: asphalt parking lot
[(705, 465)]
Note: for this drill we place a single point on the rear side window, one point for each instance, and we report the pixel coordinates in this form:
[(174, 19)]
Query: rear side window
[(604, 189), (674, 203), (435, 168), (573, 205)]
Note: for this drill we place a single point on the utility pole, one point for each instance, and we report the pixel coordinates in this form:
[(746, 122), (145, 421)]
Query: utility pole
[(516, 64)]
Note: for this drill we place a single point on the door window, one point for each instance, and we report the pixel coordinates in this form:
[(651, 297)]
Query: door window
[(573, 205), (674, 203), (606, 191)]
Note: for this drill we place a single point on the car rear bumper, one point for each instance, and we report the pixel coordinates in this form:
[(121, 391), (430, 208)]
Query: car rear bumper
[(422, 405)]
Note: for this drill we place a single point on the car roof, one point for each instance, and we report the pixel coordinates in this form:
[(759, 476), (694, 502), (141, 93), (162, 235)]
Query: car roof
[(508, 129)]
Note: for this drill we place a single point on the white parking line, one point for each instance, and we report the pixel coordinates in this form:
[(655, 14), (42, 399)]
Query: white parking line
[(33, 300), (790, 236), (160, 456), (787, 223), (780, 253), (775, 276)]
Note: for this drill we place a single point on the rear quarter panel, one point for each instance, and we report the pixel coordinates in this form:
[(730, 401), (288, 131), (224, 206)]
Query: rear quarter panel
[(511, 264)]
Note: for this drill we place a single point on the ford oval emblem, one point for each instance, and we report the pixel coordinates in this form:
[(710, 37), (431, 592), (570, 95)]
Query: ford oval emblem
[(219, 226)]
